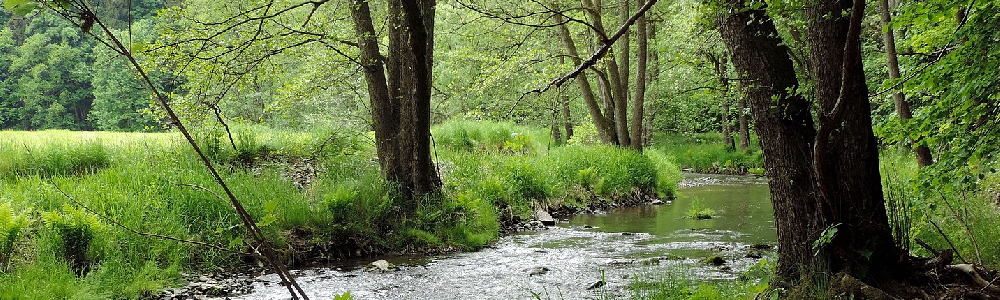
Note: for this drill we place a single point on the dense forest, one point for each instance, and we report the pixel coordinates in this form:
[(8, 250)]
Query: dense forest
[(877, 125)]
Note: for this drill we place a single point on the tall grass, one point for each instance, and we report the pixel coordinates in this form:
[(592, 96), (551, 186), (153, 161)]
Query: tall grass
[(942, 216), (50, 248), (706, 153)]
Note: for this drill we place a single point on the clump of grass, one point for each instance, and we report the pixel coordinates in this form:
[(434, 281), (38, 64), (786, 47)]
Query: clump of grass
[(676, 283), (698, 211)]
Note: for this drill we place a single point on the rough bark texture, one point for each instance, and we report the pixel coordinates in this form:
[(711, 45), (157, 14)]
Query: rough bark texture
[(922, 153), (846, 149), (785, 125), (638, 103), (400, 95)]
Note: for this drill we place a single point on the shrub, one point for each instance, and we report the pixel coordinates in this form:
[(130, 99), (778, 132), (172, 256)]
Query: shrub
[(74, 232)]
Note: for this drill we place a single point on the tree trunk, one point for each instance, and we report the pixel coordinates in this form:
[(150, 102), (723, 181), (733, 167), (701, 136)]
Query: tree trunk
[(741, 105), (617, 81), (400, 94), (642, 54), (554, 124), (922, 153), (846, 152), (785, 125), (604, 127), (567, 116)]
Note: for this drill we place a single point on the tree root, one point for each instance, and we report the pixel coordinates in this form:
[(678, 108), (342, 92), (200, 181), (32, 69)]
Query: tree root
[(976, 275)]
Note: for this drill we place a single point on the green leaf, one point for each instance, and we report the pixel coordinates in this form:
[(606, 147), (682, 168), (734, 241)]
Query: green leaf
[(20, 7)]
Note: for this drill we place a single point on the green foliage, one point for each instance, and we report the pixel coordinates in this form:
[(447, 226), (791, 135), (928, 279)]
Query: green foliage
[(74, 231), (486, 136), (12, 223), (77, 158), (681, 284), (705, 153), (698, 211), (584, 134)]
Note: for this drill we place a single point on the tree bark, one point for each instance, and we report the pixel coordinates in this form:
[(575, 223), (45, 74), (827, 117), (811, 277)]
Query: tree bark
[(400, 89), (638, 104), (785, 125), (617, 81), (922, 153), (846, 151)]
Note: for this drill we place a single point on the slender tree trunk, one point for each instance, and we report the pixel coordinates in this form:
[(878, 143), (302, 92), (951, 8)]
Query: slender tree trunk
[(604, 127), (399, 90), (554, 124), (567, 116), (922, 153), (617, 81), (741, 105), (638, 104), (785, 125), (625, 47)]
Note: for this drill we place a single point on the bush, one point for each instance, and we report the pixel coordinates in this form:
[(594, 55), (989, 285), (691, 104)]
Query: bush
[(74, 232)]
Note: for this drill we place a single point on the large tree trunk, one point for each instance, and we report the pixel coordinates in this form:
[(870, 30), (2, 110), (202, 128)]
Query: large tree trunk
[(638, 104), (400, 94), (785, 125), (922, 153), (846, 151)]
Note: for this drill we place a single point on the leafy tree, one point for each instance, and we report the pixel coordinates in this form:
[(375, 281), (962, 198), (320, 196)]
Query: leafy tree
[(49, 77)]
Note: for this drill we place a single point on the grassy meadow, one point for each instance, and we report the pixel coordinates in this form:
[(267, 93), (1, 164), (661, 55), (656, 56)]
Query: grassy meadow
[(317, 195)]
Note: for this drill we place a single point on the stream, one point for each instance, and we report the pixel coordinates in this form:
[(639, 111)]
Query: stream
[(562, 262)]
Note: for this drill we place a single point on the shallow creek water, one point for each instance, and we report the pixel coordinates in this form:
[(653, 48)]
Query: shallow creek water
[(623, 245)]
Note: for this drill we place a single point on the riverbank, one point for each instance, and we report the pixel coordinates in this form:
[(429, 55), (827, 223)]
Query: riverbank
[(639, 252), (316, 195)]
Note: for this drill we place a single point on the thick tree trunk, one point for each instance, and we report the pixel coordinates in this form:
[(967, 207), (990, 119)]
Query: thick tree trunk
[(922, 153), (785, 126), (638, 103), (741, 105), (400, 94), (846, 151), (604, 127)]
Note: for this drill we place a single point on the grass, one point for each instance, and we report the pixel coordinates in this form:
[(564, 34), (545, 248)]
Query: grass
[(306, 190), (676, 283), (706, 153), (943, 216)]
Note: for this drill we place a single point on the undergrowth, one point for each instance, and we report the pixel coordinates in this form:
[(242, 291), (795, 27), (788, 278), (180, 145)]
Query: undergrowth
[(317, 195), (706, 153)]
